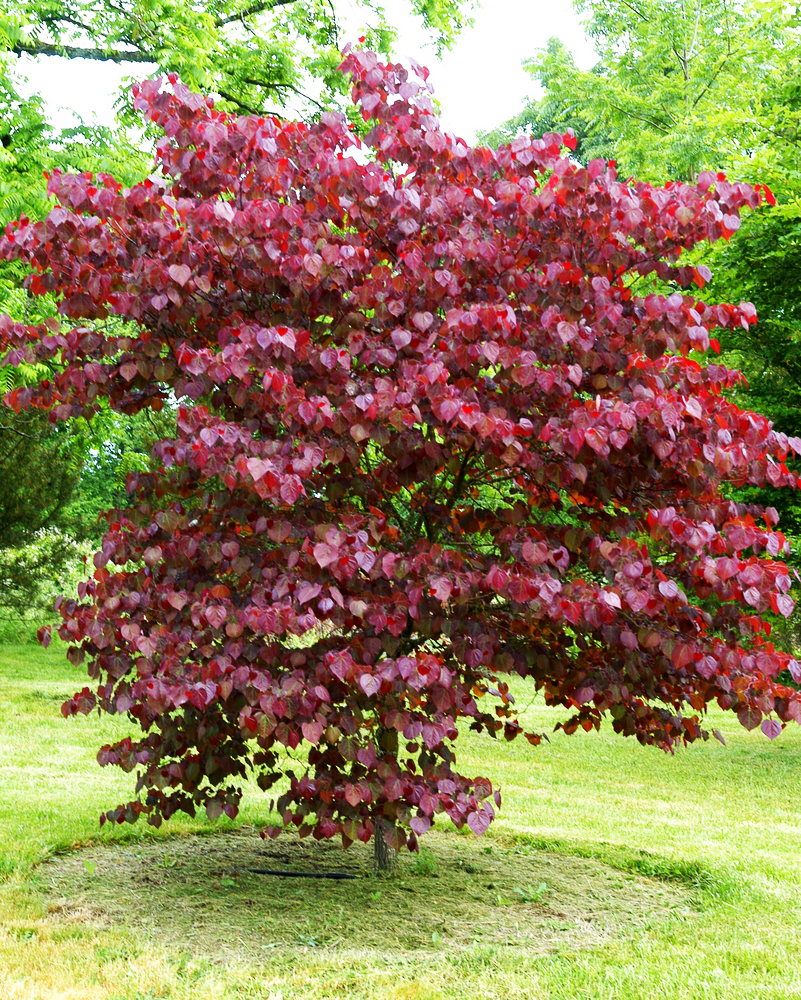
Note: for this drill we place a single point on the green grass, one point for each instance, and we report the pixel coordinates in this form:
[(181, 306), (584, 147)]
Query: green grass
[(718, 827)]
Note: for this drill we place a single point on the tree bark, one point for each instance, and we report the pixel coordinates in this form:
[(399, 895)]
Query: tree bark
[(385, 858)]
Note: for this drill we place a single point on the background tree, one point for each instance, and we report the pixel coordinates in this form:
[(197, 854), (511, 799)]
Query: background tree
[(39, 472), (49, 500), (256, 54), (427, 439), (682, 87)]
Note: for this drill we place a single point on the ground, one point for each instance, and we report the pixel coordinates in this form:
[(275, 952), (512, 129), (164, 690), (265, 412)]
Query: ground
[(194, 893), (612, 872)]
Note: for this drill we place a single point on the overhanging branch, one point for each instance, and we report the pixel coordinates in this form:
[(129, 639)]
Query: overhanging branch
[(31, 48)]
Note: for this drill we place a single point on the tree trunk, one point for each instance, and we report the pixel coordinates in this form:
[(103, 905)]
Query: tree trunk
[(385, 858)]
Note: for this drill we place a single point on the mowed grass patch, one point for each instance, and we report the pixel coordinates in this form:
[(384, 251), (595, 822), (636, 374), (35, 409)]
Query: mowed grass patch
[(612, 871), (200, 893)]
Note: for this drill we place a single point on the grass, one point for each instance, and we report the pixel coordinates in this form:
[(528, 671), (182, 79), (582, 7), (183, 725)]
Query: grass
[(612, 871)]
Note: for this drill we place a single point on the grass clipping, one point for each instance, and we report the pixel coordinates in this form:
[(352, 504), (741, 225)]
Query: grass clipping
[(193, 893)]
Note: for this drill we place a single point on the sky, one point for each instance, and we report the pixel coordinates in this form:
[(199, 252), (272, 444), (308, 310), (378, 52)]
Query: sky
[(479, 84)]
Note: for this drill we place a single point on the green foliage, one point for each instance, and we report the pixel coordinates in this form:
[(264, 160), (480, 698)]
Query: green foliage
[(763, 266), (425, 863), (680, 87), (256, 55), (114, 446), (38, 473), (32, 576)]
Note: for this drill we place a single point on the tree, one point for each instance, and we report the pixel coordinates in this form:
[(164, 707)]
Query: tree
[(255, 54), (38, 475), (681, 87), (427, 439)]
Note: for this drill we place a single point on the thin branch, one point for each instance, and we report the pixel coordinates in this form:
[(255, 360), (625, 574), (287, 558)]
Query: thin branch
[(254, 8), (247, 107), (19, 433), (336, 26), (66, 19), (695, 31), (712, 78), (635, 10), (269, 85), (648, 121)]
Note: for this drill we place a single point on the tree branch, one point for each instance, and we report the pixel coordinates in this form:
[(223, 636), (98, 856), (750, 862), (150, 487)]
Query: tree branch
[(269, 85), (254, 8), (712, 79), (459, 484), (640, 118), (635, 10), (247, 107), (79, 52)]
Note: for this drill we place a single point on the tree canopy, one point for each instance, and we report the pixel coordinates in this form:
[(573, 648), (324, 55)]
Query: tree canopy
[(428, 439)]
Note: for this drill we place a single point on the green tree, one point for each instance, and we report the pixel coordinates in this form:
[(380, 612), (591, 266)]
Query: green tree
[(39, 474), (682, 86), (256, 54)]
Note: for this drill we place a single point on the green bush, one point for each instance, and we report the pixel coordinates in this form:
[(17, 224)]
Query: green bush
[(32, 576)]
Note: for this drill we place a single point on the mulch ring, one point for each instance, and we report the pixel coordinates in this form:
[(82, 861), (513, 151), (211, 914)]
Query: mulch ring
[(194, 893)]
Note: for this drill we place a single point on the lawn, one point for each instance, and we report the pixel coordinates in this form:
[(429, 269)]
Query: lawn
[(612, 871)]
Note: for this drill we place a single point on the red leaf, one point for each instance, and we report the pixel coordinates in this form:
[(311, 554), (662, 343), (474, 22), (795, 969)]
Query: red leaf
[(370, 684), (771, 728), (479, 820), (749, 717), (179, 273), (682, 655)]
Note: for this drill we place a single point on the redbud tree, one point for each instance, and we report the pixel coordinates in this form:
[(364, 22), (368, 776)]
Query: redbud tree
[(442, 418)]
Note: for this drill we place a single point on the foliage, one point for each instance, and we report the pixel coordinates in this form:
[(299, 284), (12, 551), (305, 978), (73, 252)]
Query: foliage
[(40, 470), (427, 438), (30, 147), (114, 446), (682, 87), (255, 55), (32, 576), (37, 475)]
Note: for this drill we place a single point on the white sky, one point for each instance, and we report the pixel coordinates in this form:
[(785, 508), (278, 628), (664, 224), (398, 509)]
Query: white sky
[(479, 84)]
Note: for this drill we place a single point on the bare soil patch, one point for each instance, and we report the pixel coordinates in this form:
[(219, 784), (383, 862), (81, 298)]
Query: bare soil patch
[(194, 894)]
